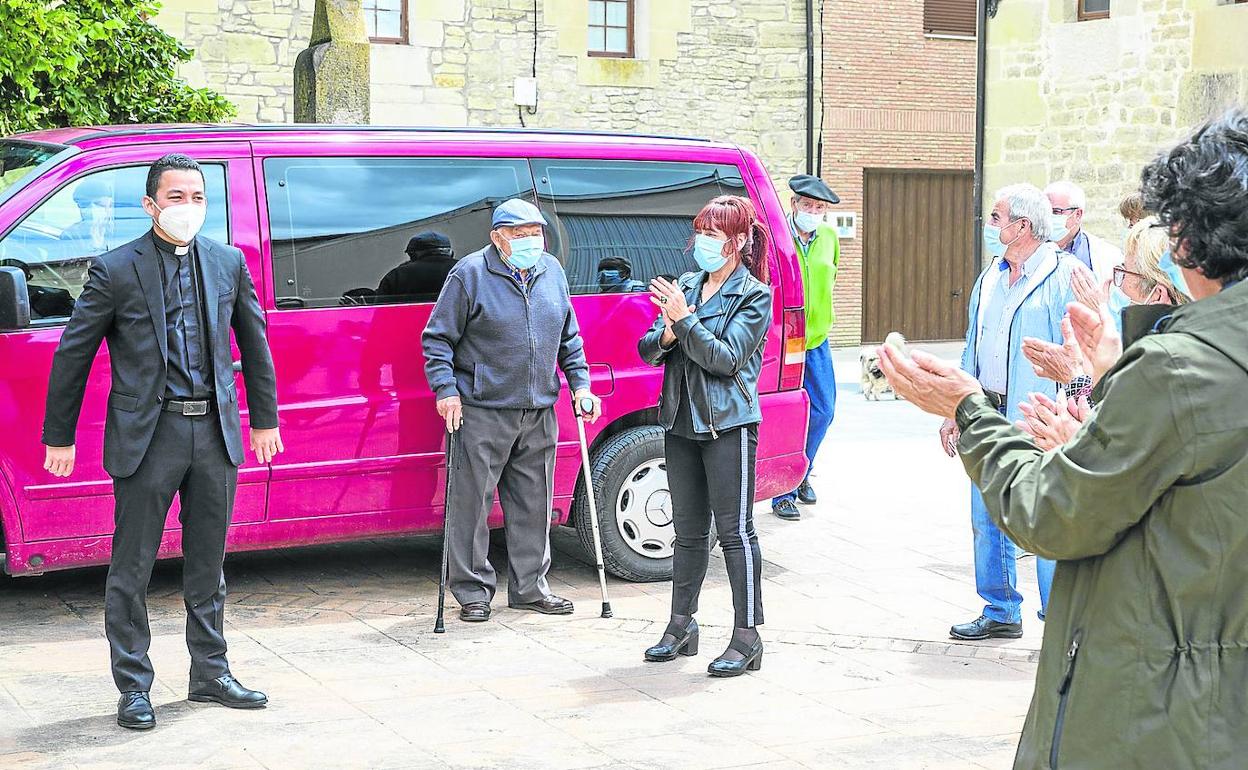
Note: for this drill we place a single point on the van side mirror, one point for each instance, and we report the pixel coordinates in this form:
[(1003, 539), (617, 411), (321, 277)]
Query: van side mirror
[(14, 299)]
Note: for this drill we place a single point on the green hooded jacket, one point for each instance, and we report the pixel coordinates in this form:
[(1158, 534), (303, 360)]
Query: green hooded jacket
[(1145, 655)]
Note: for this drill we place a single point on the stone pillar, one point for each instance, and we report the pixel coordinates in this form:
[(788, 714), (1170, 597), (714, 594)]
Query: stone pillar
[(332, 73)]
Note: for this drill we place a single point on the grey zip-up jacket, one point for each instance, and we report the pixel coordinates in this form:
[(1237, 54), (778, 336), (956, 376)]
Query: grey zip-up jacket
[(719, 351), (498, 345)]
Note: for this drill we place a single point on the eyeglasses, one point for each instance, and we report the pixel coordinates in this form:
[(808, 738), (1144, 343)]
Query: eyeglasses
[(1066, 210), (1121, 273)]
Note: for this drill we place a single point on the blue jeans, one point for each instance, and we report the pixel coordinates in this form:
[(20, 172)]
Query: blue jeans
[(820, 385), (995, 567)]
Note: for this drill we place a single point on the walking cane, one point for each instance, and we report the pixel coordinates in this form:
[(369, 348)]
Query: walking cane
[(439, 626), (586, 406)]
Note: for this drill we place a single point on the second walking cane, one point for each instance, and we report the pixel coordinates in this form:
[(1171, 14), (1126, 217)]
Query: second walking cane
[(439, 625), (582, 408)]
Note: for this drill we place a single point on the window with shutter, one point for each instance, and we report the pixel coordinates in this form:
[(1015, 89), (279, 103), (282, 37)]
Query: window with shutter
[(949, 17)]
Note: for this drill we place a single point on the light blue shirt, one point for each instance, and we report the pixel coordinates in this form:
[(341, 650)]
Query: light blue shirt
[(994, 342)]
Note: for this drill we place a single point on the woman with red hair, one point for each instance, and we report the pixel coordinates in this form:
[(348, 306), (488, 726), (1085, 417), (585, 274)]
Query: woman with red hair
[(709, 337)]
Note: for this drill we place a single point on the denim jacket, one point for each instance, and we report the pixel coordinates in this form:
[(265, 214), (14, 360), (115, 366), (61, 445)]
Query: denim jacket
[(1039, 315)]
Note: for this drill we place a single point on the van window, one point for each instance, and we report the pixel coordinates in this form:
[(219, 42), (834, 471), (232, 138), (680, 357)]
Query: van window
[(340, 227), (93, 214), (621, 223)]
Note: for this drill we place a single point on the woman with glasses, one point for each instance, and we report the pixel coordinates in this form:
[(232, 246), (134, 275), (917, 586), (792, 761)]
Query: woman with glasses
[(1147, 276)]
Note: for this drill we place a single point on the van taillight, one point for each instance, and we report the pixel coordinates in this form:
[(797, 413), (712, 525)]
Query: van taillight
[(794, 361)]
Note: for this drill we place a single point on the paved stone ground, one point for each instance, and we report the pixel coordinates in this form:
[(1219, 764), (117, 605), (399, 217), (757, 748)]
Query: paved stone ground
[(859, 671)]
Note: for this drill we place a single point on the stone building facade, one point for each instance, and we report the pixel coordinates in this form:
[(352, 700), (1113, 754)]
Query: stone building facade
[(896, 98), (732, 70), (1095, 100)]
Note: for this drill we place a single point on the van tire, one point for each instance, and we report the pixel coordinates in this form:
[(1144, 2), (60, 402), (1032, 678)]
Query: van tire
[(612, 464)]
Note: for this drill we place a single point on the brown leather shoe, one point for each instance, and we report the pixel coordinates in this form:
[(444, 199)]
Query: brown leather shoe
[(548, 605)]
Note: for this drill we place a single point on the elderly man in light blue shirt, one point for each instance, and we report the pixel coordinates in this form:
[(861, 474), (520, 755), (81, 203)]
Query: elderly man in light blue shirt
[(1022, 293)]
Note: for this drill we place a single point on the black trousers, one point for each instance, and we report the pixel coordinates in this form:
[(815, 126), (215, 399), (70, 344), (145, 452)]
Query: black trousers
[(713, 481), (187, 456)]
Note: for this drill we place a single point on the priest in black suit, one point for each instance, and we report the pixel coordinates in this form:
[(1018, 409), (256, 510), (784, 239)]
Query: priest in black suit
[(166, 303)]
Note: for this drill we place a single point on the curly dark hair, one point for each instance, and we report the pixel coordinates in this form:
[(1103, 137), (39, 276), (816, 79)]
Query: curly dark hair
[(1199, 190)]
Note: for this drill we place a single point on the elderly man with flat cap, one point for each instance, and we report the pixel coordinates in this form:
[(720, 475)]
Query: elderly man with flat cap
[(819, 251), (502, 329)]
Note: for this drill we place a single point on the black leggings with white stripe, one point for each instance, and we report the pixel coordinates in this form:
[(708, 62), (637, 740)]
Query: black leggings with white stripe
[(714, 480)]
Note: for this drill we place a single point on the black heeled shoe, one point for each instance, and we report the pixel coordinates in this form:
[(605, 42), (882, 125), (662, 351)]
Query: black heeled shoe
[(685, 643), (752, 661)]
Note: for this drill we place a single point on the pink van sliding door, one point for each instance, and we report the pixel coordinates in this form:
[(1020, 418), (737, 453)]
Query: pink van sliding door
[(58, 239), (364, 443)]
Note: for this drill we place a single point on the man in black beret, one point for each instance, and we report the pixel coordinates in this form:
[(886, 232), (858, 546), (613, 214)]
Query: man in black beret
[(430, 258), (819, 252)]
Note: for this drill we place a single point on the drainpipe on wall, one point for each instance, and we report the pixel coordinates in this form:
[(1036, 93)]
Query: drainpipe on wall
[(810, 86), (981, 58)]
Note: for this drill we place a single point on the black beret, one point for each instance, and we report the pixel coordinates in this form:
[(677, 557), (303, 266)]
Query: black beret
[(809, 186), (429, 242)]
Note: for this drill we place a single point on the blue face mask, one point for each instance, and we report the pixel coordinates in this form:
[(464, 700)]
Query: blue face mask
[(708, 252), (611, 279), (526, 251), (992, 240), (1166, 263), (1057, 227), (1118, 301)]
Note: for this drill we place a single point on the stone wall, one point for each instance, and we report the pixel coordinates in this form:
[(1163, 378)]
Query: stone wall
[(245, 49), (1094, 101), (731, 70)]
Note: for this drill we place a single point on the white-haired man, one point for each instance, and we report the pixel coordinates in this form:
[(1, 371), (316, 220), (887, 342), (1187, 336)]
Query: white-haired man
[(1066, 230), (1023, 292)]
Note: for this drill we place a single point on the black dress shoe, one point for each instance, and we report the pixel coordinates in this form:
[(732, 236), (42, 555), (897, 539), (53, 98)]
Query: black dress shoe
[(984, 627), (227, 691), (752, 661), (806, 494), (685, 643), (786, 509), (134, 711), (548, 605), (475, 612)]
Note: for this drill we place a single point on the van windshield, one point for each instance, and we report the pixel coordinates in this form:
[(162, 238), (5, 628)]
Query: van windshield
[(19, 162)]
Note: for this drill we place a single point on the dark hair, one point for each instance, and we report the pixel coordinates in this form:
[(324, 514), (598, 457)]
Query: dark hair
[(733, 215), (617, 263), (174, 161), (1199, 190)]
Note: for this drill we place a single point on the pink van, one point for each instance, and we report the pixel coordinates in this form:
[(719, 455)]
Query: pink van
[(322, 215)]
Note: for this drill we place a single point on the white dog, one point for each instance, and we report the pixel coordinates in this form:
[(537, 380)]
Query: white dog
[(874, 384)]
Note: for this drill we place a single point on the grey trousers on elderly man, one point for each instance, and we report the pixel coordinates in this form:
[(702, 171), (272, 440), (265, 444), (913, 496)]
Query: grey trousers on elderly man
[(512, 450)]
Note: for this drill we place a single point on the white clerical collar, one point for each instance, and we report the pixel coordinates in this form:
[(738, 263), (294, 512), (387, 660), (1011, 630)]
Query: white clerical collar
[(182, 251)]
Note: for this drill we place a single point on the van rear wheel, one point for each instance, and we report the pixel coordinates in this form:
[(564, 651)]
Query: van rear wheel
[(634, 506)]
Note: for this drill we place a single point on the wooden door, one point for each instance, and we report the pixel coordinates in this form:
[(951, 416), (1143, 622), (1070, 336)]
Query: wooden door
[(918, 253)]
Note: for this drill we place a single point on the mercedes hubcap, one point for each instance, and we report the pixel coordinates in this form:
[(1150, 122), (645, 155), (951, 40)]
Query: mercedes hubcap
[(643, 511)]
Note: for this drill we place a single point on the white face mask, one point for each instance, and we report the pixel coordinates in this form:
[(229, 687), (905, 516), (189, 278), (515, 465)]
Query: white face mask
[(183, 221), (806, 222)]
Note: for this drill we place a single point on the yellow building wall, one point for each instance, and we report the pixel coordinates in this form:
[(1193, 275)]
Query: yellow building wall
[(1094, 101)]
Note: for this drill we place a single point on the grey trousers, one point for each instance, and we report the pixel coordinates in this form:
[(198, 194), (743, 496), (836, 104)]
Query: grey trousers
[(187, 456), (513, 450)]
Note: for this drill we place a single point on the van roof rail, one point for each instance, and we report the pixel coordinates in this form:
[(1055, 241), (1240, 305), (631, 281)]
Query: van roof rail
[(121, 131)]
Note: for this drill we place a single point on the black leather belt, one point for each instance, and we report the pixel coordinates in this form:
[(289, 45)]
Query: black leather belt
[(996, 399), (188, 408)]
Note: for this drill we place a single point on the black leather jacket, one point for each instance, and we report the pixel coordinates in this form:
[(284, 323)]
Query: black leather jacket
[(719, 348)]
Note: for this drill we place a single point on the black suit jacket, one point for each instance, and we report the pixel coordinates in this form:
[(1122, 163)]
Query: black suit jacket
[(123, 302)]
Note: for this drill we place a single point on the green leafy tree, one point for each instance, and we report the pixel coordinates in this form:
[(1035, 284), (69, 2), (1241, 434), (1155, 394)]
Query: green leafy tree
[(94, 62)]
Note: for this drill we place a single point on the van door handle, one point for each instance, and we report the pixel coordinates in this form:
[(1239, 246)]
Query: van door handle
[(237, 366)]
